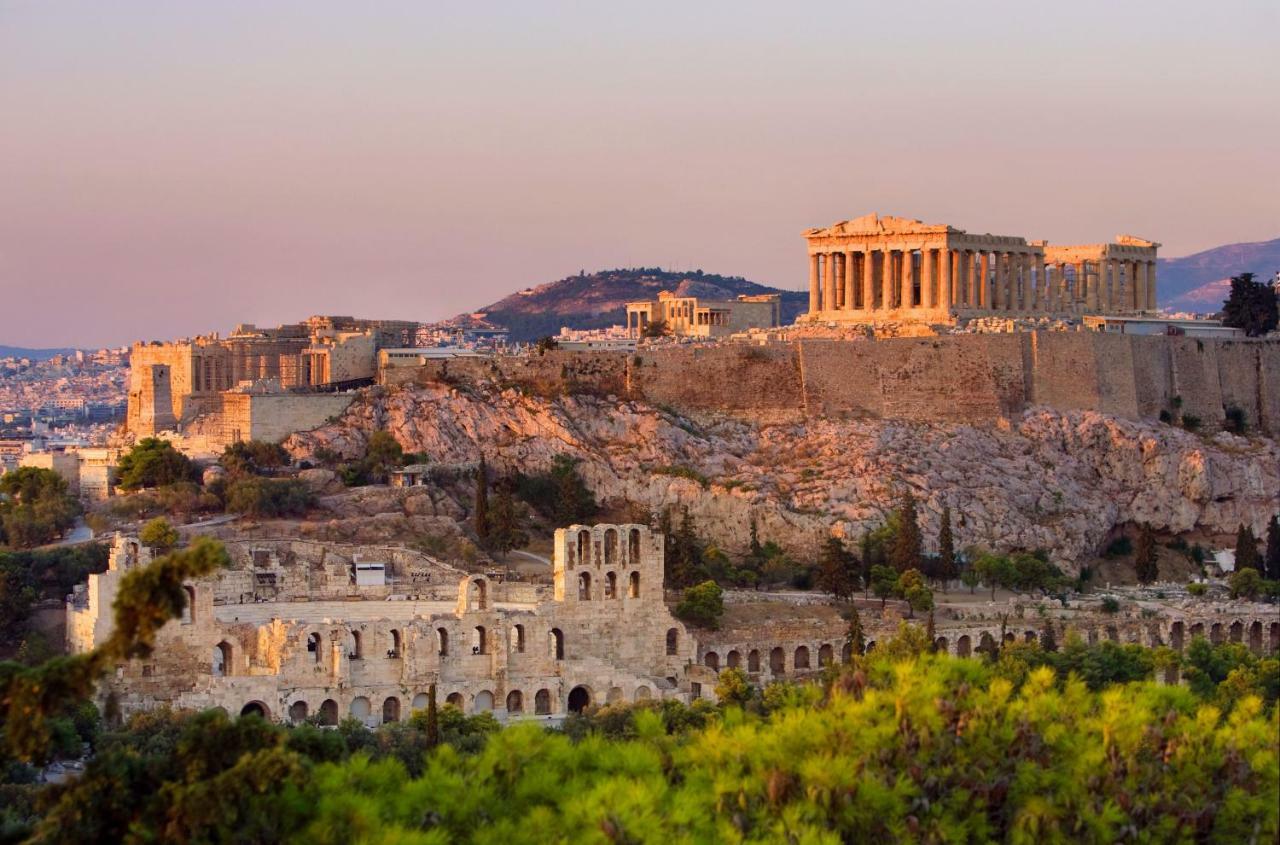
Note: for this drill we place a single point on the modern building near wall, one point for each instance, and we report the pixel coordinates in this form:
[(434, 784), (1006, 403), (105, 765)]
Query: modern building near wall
[(877, 268), (691, 316)]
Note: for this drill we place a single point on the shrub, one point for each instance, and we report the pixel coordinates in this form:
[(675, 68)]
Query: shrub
[(702, 604), (265, 497), (1197, 589), (154, 463), (684, 472), (1190, 422), (1110, 604)]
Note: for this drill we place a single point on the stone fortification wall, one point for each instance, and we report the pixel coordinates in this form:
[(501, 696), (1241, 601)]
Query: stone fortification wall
[(958, 378)]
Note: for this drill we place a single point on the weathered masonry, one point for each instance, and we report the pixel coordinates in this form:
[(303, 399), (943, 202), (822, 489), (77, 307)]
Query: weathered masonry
[(894, 268)]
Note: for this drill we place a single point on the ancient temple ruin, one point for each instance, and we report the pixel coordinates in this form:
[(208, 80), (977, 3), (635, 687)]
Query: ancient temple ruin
[(893, 268)]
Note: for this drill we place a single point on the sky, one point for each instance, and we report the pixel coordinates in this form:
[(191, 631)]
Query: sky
[(174, 168)]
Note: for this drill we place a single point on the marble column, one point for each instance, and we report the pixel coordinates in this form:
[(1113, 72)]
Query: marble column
[(1151, 286), (944, 277), (828, 282), (850, 282), (908, 278), (964, 275), (868, 267), (1043, 302), (928, 276), (984, 280), (1092, 295), (813, 283)]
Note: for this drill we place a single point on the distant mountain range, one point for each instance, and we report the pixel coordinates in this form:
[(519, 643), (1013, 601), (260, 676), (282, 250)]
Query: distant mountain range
[(33, 354), (597, 300), (1200, 282)]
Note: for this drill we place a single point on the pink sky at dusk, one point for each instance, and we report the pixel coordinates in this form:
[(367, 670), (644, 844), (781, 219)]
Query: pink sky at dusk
[(172, 168)]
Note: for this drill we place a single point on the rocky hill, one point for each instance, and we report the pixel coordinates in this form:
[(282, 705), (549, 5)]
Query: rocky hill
[(1046, 480), (596, 300), (1200, 282)]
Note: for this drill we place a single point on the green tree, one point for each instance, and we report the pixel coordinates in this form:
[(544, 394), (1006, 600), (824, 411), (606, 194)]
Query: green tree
[(995, 571), (856, 638), (970, 577), (382, 454), (35, 507), (505, 529), (1247, 549), (1245, 583), (1144, 556), (905, 553), (560, 494), (732, 687), (884, 582), (911, 587), (702, 604), (837, 569), (1251, 306), (269, 498), (480, 513), (947, 564), (159, 535), (154, 463), (655, 328), (253, 457), (1271, 561)]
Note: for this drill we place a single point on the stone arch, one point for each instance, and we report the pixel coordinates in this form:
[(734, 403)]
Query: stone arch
[(189, 605), (1176, 633), (355, 645), (611, 585), (1236, 632), (778, 661), (298, 712), (871, 646), (390, 710), (542, 702), (420, 701), (223, 655), (584, 547), (515, 701), (1093, 636), (964, 646), (1273, 636), (256, 708), (442, 640), (642, 693), (579, 699), (584, 586), (397, 645), (614, 695), (1113, 633), (479, 640), (846, 653), (711, 660), (673, 641), (633, 548), (1215, 633), (802, 657), (633, 585), (733, 659), (1197, 630), (753, 660), (483, 702), (478, 594), (455, 699), (314, 642), (329, 712), (1154, 638), (940, 645), (1010, 637), (557, 643), (517, 639), (1029, 636), (361, 708), (986, 643), (610, 547), (825, 654)]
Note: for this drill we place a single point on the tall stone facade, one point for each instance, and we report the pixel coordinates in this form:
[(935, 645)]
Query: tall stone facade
[(897, 269)]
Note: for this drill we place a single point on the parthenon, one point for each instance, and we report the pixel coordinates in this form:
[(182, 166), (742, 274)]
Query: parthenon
[(894, 268)]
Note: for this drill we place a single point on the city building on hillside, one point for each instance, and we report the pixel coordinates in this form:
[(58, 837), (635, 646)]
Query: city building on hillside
[(893, 268), (694, 317)]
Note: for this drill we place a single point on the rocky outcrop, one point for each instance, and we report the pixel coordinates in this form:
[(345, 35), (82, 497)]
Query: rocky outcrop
[(1046, 479)]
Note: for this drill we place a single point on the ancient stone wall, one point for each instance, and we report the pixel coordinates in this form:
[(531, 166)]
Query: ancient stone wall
[(959, 378)]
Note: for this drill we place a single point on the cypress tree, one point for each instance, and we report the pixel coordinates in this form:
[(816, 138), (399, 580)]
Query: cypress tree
[(480, 515), (905, 553), (433, 718), (1272, 561), (1246, 549), (857, 638), (1144, 558), (947, 568), (931, 631)]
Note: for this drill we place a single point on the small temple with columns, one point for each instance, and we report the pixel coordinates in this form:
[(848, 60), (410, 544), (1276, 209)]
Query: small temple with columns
[(877, 268)]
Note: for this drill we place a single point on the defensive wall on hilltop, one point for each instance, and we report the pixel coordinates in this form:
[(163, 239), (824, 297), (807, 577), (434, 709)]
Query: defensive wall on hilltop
[(956, 378)]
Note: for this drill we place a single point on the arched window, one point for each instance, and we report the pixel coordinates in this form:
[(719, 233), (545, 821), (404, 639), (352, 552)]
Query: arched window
[(396, 645), (825, 654), (454, 699), (517, 639), (515, 701), (1236, 632), (329, 712), (584, 547), (633, 585), (777, 661), (360, 707), (256, 708), (753, 660), (579, 699), (189, 607), (633, 546), (354, 651), (711, 660), (584, 586), (557, 643), (939, 646), (420, 701), (964, 646), (222, 659), (610, 585), (542, 702), (480, 641), (802, 657), (313, 646), (846, 653), (443, 636), (673, 641), (643, 693), (484, 702), (298, 712), (1176, 633), (391, 710), (733, 659), (614, 695), (610, 547)]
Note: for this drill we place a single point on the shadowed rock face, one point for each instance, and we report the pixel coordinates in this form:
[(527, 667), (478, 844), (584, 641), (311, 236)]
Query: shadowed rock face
[(1057, 481)]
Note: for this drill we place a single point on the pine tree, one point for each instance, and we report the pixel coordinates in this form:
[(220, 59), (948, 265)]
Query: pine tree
[(857, 638), (905, 552), (480, 515), (947, 568), (837, 572), (433, 718), (505, 532), (1272, 560), (1246, 549), (1145, 556)]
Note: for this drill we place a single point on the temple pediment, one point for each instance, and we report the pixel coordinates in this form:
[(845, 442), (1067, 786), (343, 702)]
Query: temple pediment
[(874, 224), (1134, 240)]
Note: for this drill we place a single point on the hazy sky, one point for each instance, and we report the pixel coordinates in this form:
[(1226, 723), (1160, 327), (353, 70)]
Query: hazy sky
[(168, 168)]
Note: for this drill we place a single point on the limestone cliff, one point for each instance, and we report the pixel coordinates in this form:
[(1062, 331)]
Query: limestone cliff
[(1044, 479)]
